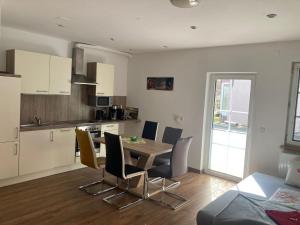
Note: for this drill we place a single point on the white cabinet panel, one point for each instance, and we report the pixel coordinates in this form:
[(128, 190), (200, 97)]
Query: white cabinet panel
[(64, 146), (60, 75), (46, 149), (9, 159), (35, 151), (34, 69), (10, 108), (105, 79)]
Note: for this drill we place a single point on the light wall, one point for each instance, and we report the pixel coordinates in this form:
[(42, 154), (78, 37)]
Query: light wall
[(272, 62), (18, 39)]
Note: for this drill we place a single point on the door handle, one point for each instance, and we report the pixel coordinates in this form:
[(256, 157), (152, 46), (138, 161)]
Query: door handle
[(16, 149), (17, 132), (65, 130), (51, 136)]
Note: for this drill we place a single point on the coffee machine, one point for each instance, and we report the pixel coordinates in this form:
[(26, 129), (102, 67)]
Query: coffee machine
[(113, 112), (101, 114), (120, 113)]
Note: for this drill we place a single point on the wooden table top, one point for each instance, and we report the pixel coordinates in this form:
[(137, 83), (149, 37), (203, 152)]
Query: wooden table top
[(147, 148)]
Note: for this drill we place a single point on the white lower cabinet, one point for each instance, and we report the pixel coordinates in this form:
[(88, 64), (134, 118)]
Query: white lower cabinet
[(46, 149), (9, 152)]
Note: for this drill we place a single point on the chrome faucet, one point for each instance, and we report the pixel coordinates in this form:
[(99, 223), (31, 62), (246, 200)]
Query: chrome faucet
[(37, 120)]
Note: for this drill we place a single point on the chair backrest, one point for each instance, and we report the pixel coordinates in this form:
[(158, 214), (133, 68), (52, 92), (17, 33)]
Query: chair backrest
[(87, 149), (179, 156), (115, 163), (171, 135), (150, 130)]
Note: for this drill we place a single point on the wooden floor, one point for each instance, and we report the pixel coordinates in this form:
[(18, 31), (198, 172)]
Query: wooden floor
[(56, 200)]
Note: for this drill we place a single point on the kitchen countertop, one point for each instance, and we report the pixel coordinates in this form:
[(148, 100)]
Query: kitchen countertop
[(68, 124)]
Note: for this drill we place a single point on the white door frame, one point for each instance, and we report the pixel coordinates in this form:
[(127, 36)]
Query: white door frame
[(208, 115)]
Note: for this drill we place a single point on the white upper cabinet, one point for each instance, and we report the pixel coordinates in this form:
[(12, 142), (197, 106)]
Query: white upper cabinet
[(10, 88), (41, 73), (105, 79), (104, 75), (34, 68), (60, 75)]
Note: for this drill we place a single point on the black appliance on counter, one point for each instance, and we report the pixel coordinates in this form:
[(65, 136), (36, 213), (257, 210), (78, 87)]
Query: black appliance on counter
[(121, 113), (113, 112), (100, 101), (101, 114)]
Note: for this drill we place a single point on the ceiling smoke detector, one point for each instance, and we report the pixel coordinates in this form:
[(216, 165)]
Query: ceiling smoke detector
[(185, 3)]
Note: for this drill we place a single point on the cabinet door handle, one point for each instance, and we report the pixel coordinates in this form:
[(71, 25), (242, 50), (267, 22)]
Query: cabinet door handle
[(17, 132), (51, 136), (64, 92), (41, 91), (65, 130), (16, 149), (100, 93)]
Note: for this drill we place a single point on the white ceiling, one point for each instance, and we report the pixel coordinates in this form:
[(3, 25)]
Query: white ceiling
[(148, 25)]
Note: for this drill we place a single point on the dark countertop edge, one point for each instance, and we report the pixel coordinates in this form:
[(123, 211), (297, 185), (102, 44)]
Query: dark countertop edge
[(70, 124), (9, 75)]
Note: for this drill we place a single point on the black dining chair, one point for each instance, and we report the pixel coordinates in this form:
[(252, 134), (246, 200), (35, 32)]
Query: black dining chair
[(149, 132), (115, 165), (177, 168), (170, 136)]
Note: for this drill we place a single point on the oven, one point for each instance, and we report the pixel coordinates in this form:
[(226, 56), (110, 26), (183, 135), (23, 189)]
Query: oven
[(95, 131)]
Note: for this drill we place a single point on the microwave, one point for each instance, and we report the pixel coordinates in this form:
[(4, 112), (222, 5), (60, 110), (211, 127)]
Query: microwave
[(100, 101)]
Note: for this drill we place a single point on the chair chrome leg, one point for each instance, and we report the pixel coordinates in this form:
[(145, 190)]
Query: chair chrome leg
[(176, 196), (86, 186), (118, 195), (175, 184)]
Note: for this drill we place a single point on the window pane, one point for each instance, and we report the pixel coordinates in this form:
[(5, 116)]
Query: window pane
[(225, 97), (298, 106), (297, 130)]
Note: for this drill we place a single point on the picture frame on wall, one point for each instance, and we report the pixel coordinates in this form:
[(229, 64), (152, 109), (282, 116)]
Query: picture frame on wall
[(160, 83)]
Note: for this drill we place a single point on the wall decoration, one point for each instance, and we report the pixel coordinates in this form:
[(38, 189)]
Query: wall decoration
[(160, 83)]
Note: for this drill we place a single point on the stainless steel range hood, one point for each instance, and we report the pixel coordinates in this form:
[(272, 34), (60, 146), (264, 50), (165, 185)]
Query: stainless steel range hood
[(78, 74)]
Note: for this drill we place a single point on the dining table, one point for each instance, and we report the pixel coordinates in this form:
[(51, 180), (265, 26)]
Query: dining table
[(147, 151)]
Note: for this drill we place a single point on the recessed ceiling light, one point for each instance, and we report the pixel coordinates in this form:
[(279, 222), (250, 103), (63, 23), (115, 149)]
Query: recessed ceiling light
[(60, 25), (193, 27), (271, 15), (185, 3)]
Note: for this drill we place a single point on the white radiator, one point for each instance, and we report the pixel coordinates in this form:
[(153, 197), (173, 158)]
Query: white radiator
[(284, 160)]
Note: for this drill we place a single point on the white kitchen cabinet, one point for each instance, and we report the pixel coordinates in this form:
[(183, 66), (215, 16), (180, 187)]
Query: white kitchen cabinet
[(10, 108), (9, 152), (41, 73), (46, 149), (34, 69), (104, 75), (64, 146), (110, 128), (60, 75)]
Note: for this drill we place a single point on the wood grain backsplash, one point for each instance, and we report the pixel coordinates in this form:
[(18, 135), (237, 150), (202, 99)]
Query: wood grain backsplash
[(54, 108)]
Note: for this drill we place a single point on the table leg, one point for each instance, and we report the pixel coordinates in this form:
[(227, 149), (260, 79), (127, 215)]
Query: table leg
[(144, 162)]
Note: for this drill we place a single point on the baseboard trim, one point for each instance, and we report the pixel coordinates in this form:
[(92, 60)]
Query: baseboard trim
[(193, 170), (20, 179)]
